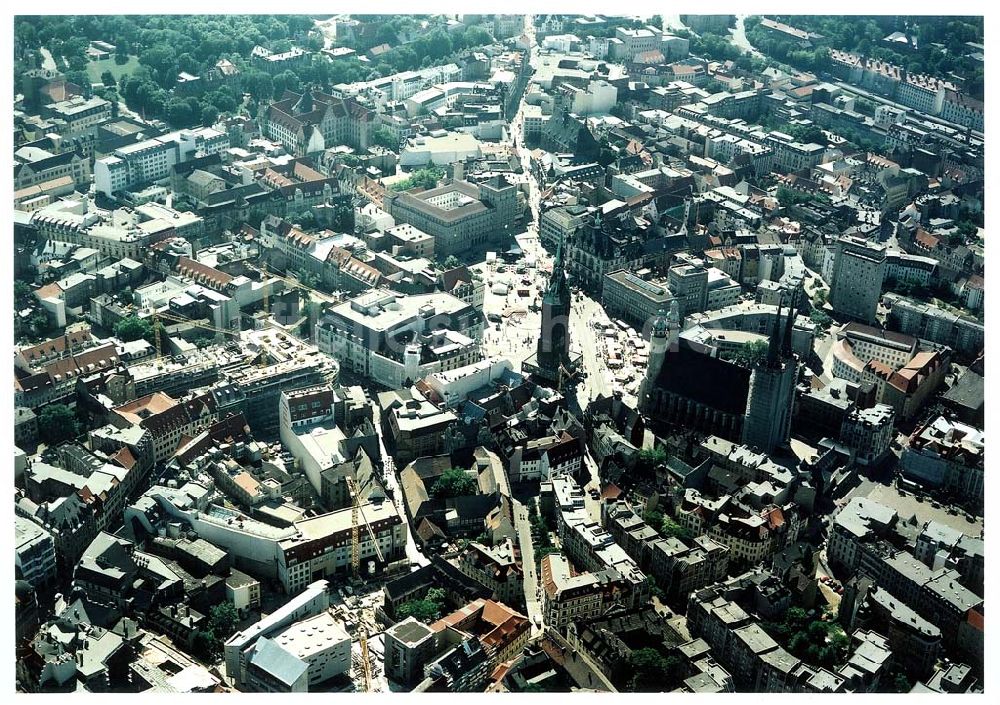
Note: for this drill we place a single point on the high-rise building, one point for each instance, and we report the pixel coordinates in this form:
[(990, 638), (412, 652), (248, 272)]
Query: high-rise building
[(859, 268), (689, 283), (772, 391)]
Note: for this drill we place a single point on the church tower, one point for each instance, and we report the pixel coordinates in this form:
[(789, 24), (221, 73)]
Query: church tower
[(553, 343), (663, 338), (772, 389)]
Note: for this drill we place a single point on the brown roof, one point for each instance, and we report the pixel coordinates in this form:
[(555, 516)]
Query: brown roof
[(247, 483), (880, 368), (202, 273), (231, 428), (138, 409), (925, 239), (124, 458), (910, 376), (891, 336), (58, 345), (611, 492), (355, 267), (49, 290), (496, 624), (160, 414), (304, 172), (453, 277), (83, 363), (283, 111)]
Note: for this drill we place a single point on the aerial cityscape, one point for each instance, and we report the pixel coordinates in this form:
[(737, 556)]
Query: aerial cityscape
[(499, 353)]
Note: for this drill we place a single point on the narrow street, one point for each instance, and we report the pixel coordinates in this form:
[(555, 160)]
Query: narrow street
[(392, 485), (47, 61), (739, 38), (532, 595), (592, 505)]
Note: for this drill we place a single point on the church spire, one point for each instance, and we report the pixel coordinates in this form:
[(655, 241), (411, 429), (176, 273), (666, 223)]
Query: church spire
[(786, 344), (558, 265), (774, 344)]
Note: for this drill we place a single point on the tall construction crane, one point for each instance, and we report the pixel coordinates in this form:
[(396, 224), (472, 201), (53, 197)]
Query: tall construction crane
[(156, 334), (175, 318), (296, 284), (357, 514), (267, 287)]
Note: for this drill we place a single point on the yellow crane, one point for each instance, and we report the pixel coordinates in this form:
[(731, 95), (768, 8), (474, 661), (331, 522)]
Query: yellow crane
[(264, 281), (296, 284), (366, 666), (357, 513), (156, 334), (175, 318)]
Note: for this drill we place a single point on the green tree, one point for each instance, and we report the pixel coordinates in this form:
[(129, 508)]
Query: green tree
[(132, 328), (654, 518), (751, 353), (787, 197), (454, 482), (384, 137), (671, 529), (258, 84), (864, 106), (654, 589), (205, 646), (807, 134), (451, 261), (649, 671), (108, 79), (209, 114), (820, 318), (223, 620), (57, 423), (305, 219), (427, 610), (22, 291), (180, 114), (307, 278), (40, 322), (426, 178), (649, 459)]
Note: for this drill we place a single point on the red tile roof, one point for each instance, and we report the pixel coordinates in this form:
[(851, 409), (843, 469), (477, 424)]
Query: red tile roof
[(203, 274)]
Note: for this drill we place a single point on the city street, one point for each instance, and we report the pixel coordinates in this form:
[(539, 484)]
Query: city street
[(532, 594), (392, 486), (739, 38), (593, 505)]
